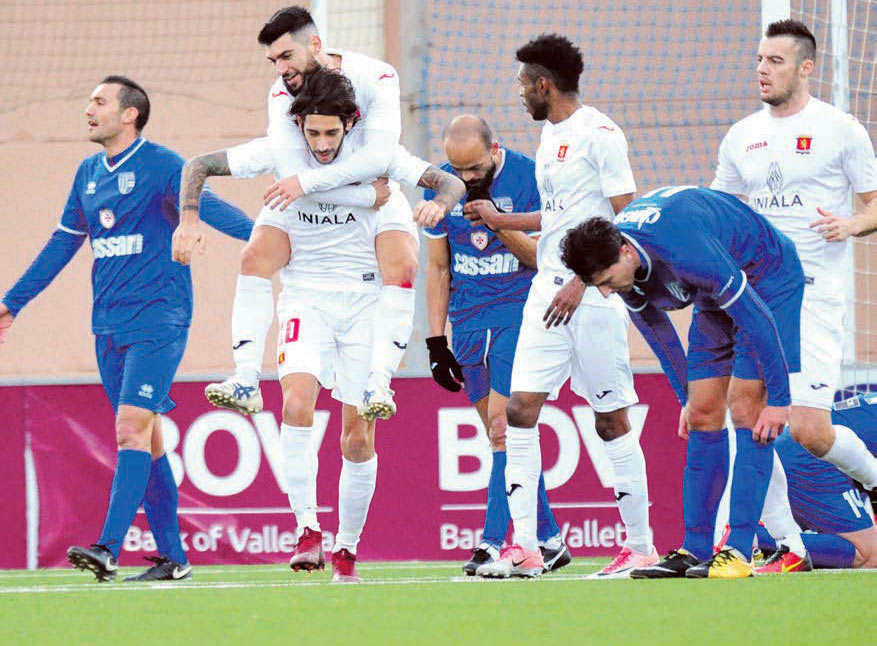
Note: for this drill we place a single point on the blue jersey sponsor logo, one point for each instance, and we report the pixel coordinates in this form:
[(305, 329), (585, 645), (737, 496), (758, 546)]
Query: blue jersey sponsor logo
[(114, 246), (498, 263)]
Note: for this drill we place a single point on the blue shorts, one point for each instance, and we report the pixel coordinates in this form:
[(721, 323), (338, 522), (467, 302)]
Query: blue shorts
[(137, 368), (711, 346), (823, 499), (486, 357)]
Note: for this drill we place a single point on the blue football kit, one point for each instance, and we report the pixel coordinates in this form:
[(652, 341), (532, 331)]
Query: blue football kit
[(127, 207), (489, 287), (708, 249)]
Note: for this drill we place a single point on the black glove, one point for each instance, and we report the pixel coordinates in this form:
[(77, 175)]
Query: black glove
[(444, 367)]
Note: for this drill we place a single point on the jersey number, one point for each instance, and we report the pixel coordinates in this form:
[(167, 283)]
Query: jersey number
[(852, 497), (292, 326)]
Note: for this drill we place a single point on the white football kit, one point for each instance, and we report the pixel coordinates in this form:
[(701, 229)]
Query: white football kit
[(787, 167), (581, 162), (376, 85), (332, 281)]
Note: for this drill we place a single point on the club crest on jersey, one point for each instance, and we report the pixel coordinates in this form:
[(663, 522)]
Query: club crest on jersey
[(804, 144), (561, 152), (479, 240), (107, 218), (126, 182)]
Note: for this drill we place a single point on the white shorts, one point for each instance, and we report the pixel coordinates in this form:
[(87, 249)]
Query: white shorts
[(591, 349), (327, 335), (396, 215), (822, 335)]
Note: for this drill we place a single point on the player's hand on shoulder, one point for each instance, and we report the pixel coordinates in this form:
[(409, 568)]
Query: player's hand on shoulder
[(382, 192), (187, 237), (481, 212), (428, 213), (446, 372), (833, 228), (565, 303), (6, 319), (281, 194), (770, 424)]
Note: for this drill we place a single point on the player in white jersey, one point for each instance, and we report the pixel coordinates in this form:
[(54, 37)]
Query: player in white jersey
[(331, 289), (293, 46), (582, 171), (795, 162)]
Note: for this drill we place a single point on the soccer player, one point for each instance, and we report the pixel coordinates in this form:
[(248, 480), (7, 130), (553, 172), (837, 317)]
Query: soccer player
[(823, 500), (293, 46), (124, 200), (684, 245), (582, 171), (326, 310), (795, 162), (481, 279)]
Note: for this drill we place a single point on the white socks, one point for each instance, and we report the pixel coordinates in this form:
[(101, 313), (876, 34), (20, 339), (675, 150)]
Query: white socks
[(850, 455), (355, 490), (300, 468), (392, 325), (523, 466), (777, 514), (631, 490), (251, 316)]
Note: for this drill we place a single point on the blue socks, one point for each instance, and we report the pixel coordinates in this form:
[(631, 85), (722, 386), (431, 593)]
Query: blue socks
[(703, 482), (826, 550), (497, 517), (129, 485), (160, 504), (752, 468)]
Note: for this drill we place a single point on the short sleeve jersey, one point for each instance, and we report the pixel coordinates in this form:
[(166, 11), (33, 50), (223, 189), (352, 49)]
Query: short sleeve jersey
[(787, 167), (127, 206), (581, 162), (489, 286)]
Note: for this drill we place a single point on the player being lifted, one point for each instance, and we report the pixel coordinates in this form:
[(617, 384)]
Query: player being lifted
[(684, 245), (331, 290), (481, 279), (124, 200), (795, 162), (582, 172), (293, 46)]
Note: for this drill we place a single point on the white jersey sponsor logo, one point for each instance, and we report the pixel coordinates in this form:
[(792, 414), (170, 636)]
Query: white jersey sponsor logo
[(117, 246)]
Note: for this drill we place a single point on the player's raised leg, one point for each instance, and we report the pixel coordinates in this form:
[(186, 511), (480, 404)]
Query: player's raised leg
[(267, 251), (356, 487), (396, 250)]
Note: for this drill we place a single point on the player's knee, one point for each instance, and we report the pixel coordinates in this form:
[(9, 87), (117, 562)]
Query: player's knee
[(521, 414), (255, 262), (744, 409), (610, 426), (812, 437), (131, 434), (356, 444), (297, 410), (496, 433), (702, 416)]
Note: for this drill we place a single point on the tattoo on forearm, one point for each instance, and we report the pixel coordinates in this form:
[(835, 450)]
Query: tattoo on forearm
[(448, 189), (195, 173)]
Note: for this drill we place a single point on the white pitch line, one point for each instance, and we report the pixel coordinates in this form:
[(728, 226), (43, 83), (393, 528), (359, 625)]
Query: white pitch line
[(231, 585)]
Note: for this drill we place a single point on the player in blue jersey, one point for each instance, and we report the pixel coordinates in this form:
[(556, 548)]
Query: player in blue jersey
[(480, 278), (685, 245), (823, 500), (124, 200)]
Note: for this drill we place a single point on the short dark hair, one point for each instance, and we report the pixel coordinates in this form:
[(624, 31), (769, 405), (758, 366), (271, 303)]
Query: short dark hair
[(797, 30), (591, 247), (555, 57), (328, 92), (131, 95), (289, 20)]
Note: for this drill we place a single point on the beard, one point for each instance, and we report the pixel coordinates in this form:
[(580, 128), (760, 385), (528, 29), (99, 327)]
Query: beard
[(538, 110), (311, 66), (479, 189)]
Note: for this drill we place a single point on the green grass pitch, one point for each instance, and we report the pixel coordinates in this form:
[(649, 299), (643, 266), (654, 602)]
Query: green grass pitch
[(431, 603)]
